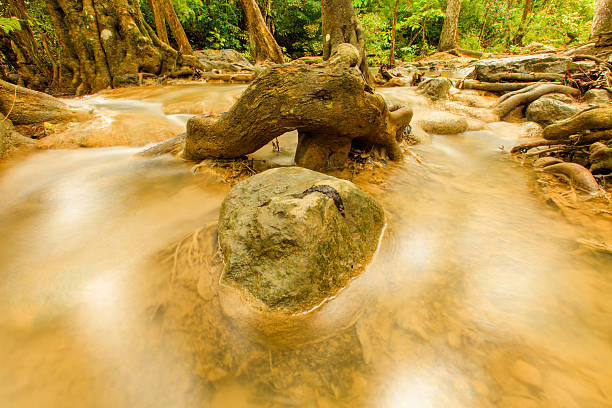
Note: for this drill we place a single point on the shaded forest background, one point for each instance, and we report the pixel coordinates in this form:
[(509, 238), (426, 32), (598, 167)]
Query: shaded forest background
[(486, 25)]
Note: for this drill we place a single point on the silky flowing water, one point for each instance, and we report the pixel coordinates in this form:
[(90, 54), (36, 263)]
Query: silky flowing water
[(480, 295)]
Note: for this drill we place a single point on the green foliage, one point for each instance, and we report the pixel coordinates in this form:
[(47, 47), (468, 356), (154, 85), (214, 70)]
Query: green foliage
[(418, 27), (207, 23), (297, 26), (9, 24)]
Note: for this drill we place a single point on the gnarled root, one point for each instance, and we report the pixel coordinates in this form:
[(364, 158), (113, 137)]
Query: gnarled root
[(328, 103), (577, 176), (508, 103), (592, 119)]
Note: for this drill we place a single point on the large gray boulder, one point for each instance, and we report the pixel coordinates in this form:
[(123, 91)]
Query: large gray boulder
[(550, 109), (292, 237), (548, 63), (223, 61)]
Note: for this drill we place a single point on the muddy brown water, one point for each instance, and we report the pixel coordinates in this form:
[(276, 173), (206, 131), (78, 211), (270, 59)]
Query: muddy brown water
[(480, 295)]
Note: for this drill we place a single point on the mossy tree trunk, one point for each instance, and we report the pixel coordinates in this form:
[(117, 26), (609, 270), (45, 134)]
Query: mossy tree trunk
[(160, 20), (393, 29), (341, 25), (107, 43), (448, 37), (177, 29), (262, 44)]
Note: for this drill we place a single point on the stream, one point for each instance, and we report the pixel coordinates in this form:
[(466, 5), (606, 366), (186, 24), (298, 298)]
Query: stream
[(480, 295)]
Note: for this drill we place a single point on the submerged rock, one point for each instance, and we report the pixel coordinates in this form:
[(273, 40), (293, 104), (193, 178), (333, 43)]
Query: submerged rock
[(550, 109), (291, 237), (443, 123)]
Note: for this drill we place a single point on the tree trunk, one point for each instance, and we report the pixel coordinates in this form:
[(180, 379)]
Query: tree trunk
[(522, 30), (262, 44), (449, 29), (160, 20), (392, 54), (340, 25), (507, 23), (327, 103), (177, 29), (484, 23), (106, 43), (602, 20), (21, 50)]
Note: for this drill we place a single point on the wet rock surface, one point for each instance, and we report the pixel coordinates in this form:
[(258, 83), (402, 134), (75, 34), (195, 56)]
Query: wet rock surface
[(443, 123), (292, 237)]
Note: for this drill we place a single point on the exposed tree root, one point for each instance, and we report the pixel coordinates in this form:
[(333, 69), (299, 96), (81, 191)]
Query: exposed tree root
[(529, 95), (329, 104), (592, 119), (578, 176)]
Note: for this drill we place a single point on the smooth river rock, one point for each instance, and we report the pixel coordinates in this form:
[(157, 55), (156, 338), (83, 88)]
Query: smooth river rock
[(550, 109), (292, 238)]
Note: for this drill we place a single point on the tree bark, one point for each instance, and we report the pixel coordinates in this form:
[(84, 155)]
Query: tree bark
[(327, 103), (262, 44), (602, 19), (160, 20), (340, 25), (392, 54), (107, 43), (592, 119), (177, 29), (449, 29)]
